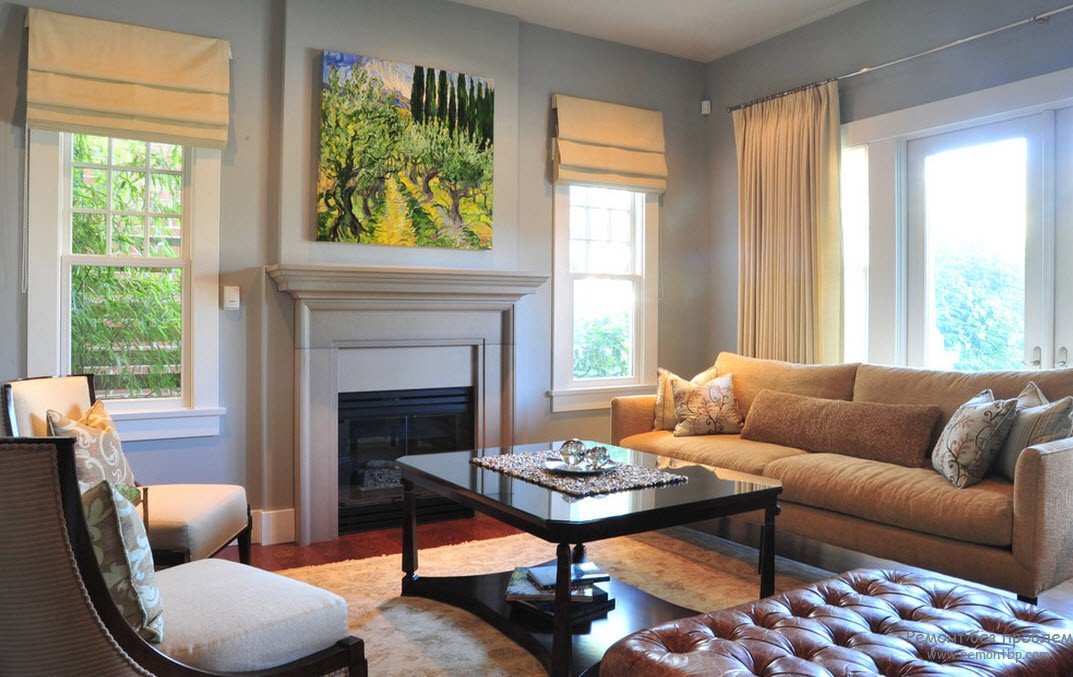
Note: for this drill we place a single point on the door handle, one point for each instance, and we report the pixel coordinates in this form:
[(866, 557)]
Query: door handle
[(1037, 355), (1063, 357)]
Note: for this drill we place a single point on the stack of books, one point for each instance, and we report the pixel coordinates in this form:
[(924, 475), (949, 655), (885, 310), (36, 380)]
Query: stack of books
[(532, 590)]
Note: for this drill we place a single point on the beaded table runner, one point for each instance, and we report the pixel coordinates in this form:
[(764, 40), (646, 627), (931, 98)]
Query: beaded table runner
[(530, 467)]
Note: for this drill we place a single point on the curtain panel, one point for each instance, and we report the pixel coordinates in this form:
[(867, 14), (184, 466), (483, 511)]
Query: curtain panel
[(789, 234), (608, 144), (116, 79)]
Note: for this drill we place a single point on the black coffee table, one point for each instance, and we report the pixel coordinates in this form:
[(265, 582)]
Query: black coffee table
[(568, 521)]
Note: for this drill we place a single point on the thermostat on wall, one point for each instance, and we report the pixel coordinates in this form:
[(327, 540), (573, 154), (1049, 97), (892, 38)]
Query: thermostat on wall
[(231, 297)]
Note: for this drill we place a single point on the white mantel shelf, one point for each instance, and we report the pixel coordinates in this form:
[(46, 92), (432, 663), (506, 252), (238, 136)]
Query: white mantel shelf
[(336, 281)]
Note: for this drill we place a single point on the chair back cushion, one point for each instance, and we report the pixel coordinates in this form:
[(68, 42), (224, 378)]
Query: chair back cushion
[(32, 398)]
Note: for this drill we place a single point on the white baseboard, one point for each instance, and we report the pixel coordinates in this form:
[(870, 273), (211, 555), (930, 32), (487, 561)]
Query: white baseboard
[(273, 526)]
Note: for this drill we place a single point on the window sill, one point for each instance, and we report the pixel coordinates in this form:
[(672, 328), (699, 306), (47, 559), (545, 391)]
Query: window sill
[(168, 424), (583, 399)]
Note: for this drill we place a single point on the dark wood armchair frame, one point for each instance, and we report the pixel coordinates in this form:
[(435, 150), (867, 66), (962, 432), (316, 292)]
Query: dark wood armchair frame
[(347, 654), (161, 557)]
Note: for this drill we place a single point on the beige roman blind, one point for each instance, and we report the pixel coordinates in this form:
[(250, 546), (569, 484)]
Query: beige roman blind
[(608, 144), (116, 79)]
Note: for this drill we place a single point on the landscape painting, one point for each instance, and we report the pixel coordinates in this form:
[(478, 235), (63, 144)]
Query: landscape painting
[(405, 155)]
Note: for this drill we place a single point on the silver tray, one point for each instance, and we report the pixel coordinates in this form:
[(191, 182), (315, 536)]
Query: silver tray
[(561, 467)]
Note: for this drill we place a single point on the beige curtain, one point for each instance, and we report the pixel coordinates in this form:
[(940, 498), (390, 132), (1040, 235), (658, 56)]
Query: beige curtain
[(789, 235), (116, 79), (608, 144)]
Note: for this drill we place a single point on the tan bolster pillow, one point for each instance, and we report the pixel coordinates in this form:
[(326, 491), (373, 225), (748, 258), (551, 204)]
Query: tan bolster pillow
[(894, 433)]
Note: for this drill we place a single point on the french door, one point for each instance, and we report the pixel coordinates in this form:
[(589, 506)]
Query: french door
[(989, 282)]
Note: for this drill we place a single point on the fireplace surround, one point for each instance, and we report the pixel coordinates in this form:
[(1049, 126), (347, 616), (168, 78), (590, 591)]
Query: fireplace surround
[(364, 328)]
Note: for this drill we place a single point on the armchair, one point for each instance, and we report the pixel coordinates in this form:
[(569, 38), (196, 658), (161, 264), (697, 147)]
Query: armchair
[(57, 616), (185, 522)]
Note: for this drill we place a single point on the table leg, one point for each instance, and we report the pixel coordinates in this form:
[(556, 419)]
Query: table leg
[(767, 551), (561, 642), (579, 553), (409, 534)]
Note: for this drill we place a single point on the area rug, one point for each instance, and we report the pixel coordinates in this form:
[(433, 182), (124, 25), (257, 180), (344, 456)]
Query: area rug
[(407, 636)]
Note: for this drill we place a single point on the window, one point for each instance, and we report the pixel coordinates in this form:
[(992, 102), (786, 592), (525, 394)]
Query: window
[(965, 218), (124, 265), (122, 276), (606, 295)]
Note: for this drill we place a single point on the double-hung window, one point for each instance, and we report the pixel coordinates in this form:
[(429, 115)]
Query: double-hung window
[(606, 294), (123, 269)]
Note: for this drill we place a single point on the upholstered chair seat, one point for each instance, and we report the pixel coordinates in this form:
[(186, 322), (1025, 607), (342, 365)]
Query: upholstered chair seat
[(195, 518)]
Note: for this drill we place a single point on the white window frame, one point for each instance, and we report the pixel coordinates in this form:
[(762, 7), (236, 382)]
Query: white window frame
[(887, 137), (197, 413), (568, 394)]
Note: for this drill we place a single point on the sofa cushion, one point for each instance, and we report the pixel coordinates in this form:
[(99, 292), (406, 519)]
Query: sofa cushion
[(912, 498), (1036, 421), (706, 409), (895, 433), (969, 442), (723, 451), (751, 375), (664, 417), (950, 389)]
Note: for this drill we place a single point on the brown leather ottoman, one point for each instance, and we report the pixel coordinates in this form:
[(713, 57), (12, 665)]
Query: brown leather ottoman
[(863, 622)]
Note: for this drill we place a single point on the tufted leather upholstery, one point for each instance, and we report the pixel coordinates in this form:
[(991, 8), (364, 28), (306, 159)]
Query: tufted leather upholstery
[(863, 622)]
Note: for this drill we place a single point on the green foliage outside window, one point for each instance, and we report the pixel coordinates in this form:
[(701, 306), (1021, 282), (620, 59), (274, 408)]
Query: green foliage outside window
[(980, 311), (126, 320), (602, 347)]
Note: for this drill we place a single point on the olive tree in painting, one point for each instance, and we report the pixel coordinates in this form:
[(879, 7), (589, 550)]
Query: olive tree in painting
[(405, 155)]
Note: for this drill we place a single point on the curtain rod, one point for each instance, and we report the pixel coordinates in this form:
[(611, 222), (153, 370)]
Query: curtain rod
[(1037, 19)]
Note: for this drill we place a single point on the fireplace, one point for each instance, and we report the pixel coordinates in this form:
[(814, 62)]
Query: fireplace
[(375, 429), (369, 328)]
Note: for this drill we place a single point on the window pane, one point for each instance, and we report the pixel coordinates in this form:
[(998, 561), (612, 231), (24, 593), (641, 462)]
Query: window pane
[(88, 234), (91, 149), (126, 327), (89, 188), (165, 156), (165, 194), (165, 237), (603, 328), (128, 235), (128, 152), (975, 213), (128, 191)]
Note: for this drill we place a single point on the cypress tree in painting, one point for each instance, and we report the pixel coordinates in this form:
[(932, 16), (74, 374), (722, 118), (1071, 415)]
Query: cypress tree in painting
[(441, 97), (452, 110), (460, 86), (417, 95), (430, 95)]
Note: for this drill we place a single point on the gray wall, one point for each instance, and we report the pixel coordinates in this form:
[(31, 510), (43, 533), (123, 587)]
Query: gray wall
[(266, 196), (866, 35)]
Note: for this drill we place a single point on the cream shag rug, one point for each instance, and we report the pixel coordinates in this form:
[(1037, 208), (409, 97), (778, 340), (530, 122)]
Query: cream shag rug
[(407, 636)]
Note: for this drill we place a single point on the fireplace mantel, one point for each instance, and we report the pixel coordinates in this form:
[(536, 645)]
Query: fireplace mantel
[(335, 281), (346, 317)]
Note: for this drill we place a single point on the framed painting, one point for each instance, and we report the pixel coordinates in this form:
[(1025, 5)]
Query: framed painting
[(405, 155)]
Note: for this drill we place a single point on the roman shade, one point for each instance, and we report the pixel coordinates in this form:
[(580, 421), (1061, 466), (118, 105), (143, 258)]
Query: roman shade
[(116, 79), (608, 144)]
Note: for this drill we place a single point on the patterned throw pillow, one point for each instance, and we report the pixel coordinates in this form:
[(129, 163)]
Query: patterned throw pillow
[(98, 452), (971, 439), (665, 417), (706, 409), (1036, 421), (126, 561)]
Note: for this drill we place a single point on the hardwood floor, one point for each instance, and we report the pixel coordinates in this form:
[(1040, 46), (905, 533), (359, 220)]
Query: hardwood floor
[(450, 532), (371, 543)]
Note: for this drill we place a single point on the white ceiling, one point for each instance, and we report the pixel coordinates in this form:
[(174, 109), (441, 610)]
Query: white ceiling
[(701, 30)]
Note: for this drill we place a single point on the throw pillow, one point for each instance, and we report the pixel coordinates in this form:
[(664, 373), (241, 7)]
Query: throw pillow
[(706, 409), (1036, 421), (126, 561), (98, 452), (893, 433), (665, 417), (975, 433)]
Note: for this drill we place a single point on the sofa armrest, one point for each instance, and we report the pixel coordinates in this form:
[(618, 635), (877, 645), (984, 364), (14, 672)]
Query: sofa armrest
[(1043, 512), (631, 415)]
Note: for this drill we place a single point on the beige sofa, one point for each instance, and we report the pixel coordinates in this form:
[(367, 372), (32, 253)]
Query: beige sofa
[(1016, 536)]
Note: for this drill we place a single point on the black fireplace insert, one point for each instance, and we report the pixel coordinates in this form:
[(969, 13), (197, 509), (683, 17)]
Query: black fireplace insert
[(375, 428)]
